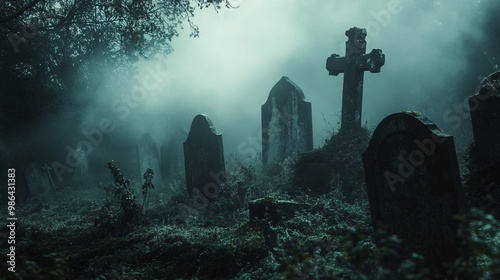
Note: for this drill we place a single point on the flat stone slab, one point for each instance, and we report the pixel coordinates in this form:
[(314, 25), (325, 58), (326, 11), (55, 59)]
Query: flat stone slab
[(275, 209)]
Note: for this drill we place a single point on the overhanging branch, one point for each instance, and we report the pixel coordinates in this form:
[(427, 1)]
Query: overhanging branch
[(20, 12)]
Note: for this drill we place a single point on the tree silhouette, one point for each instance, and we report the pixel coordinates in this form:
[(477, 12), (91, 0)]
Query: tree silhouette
[(51, 49)]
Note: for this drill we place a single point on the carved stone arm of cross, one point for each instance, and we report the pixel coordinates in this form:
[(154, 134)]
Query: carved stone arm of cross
[(335, 64), (372, 61)]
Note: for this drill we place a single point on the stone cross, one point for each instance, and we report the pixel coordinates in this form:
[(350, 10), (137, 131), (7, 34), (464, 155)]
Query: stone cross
[(353, 65)]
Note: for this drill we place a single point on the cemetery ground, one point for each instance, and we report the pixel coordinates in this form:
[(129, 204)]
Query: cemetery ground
[(111, 232)]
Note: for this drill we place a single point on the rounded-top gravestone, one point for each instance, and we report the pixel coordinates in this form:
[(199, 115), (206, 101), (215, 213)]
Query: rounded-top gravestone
[(414, 187), (204, 159)]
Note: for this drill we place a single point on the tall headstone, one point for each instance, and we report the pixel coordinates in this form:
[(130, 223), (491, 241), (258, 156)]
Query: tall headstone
[(37, 178), (147, 153), (204, 160), (485, 115), (414, 186), (353, 65), (79, 174), (172, 157), (286, 123)]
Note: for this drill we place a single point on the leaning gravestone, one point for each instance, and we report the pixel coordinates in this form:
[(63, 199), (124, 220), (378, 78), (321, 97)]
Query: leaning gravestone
[(172, 157), (485, 115), (204, 160), (286, 123), (147, 153), (37, 179), (414, 186)]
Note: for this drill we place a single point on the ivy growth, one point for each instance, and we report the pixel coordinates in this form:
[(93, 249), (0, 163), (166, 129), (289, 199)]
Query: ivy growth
[(118, 192), (147, 187)]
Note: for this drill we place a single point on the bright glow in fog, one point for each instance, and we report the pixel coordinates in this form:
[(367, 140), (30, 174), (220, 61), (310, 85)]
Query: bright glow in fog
[(242, 53)]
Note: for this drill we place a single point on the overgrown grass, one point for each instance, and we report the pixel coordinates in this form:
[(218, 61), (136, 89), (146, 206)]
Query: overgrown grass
[(173, 239)]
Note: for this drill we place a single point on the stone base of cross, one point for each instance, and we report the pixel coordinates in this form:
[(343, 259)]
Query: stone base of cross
[(353, 65)]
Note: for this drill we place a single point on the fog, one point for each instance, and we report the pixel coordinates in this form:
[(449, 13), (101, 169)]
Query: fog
[(436, 53)]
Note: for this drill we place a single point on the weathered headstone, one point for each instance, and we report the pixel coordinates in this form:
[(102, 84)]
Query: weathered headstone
[(37, 178), (286, 123), (172, 157), (484, 153), (353, 65), (485, 115), (147, 152), (79, 174), (414, 186), (204, 160)]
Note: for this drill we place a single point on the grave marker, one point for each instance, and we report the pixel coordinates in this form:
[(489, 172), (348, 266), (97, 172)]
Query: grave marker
[(485, 116), (286, 123), (204, 160), (79, 174), (37, 178), (147, 153), (172, 156), (353, 65), (414, 186)]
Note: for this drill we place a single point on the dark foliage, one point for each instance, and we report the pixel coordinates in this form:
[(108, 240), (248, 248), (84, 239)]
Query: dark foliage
[(119, 191), (147, 187), (56, 51), (339, 159), (482, 182), (332, 239)]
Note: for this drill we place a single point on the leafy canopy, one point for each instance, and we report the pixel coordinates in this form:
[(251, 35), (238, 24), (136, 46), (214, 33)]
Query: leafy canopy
[(51, 48)]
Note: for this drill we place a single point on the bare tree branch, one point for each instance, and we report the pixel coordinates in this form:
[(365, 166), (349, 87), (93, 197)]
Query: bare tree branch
[(20, 12)]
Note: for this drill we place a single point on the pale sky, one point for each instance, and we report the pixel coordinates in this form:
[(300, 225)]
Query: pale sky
[(242, 53), (228, 72)]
